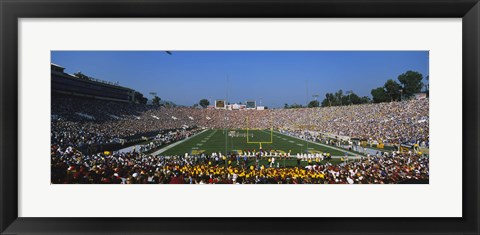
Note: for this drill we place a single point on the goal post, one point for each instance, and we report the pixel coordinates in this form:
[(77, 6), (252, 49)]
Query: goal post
[(249, 130)]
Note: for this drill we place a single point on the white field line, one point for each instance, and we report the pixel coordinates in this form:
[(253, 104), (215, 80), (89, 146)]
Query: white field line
[(324, 145), (175, 144)]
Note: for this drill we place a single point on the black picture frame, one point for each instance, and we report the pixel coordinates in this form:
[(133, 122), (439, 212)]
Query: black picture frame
[(11, 11)]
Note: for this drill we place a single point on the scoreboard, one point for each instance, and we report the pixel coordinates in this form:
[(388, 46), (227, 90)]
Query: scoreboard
[(220, 104), (251, 104)]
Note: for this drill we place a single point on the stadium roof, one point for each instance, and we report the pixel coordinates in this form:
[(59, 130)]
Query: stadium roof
[(56, 65)]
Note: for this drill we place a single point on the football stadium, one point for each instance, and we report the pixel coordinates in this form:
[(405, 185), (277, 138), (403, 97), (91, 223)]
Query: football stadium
[(105, 133)]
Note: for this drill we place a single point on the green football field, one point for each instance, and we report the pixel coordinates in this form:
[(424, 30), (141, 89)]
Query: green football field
[(215, 140)]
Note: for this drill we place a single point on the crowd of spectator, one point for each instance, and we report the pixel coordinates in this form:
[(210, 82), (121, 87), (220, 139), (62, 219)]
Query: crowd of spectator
[(136, 168), (406, 121), (79, 123)]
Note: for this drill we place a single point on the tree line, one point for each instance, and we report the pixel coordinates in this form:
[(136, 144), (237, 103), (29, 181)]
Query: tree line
[(156, 101), (408, 84)]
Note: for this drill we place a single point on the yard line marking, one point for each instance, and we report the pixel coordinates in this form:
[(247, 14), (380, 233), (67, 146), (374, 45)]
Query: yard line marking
[(328, 146), (175, 144)]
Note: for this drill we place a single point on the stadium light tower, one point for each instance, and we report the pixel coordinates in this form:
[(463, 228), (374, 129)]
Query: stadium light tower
[(315, 97), (306, 92), (226, 121), (350, 92)]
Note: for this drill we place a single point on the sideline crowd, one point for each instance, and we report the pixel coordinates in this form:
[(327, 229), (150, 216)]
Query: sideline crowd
[(69, 167)]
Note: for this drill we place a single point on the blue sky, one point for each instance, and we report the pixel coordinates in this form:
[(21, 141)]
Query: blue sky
[(278, 77)]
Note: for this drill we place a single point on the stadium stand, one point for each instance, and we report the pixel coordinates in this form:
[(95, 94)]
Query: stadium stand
[(91, 124), (84, 86)]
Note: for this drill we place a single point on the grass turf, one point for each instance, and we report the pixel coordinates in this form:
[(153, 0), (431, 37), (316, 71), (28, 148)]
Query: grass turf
[(215, 140)]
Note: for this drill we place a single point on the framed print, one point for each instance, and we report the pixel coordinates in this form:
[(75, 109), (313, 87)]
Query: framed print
[(239, 117)]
